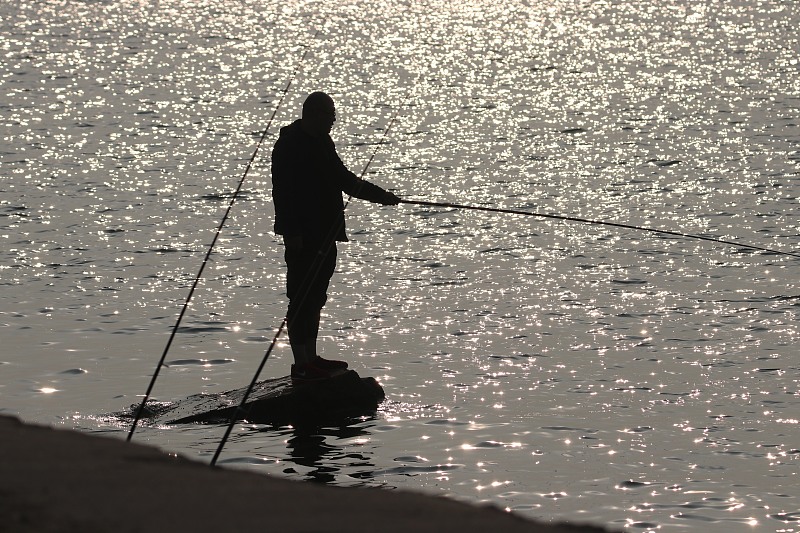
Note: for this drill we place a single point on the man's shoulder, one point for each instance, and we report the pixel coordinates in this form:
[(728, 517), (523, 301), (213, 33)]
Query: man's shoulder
[(290, 141), (292, 131), (294, 137)]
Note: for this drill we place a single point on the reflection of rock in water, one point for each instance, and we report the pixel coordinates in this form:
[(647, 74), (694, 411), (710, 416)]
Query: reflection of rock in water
[(275, 401), (311, 446)]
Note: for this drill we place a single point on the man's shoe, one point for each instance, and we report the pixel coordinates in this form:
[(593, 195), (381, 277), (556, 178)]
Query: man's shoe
[(307, 373), (329, 364)]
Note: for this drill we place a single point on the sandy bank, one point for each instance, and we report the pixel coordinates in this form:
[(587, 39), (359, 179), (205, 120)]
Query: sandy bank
[(67, 481)]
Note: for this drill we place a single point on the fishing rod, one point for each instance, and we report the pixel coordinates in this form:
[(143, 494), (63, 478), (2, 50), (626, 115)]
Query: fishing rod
[(313, 272), (235, 195), (598, 222)]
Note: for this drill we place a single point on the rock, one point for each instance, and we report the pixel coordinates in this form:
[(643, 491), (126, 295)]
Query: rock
[(275, 401)]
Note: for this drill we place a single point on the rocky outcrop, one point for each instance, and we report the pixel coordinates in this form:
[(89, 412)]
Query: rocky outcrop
[(276, 401)]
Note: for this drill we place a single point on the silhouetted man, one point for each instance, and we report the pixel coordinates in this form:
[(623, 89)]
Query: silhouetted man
[(308, 179)]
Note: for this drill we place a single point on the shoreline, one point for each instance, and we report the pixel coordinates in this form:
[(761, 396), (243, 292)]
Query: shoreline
[(58, 480)]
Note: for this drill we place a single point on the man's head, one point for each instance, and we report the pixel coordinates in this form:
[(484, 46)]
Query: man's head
[(319, 114)]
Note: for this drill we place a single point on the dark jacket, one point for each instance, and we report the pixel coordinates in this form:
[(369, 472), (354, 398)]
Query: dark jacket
[(308, 179)]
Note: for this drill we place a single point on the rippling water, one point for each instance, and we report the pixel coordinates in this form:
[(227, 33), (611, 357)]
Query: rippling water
[(559, 370)]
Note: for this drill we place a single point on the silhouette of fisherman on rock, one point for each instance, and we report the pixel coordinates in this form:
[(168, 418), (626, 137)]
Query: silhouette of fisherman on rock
[(308, 179)]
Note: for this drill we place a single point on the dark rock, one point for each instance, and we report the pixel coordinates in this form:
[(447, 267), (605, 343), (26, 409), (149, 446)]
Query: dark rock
[(276, 401)]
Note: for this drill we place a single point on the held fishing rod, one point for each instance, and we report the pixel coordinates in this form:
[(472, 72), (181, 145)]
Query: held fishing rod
[(235, 195), (598, 222), (313, 272)]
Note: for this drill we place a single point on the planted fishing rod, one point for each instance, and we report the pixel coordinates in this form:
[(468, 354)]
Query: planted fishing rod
[(598, 222), (235, 195), (313, 272)]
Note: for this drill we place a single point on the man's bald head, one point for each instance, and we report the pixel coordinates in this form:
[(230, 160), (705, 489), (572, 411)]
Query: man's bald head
[(319, 114), (317, 103)]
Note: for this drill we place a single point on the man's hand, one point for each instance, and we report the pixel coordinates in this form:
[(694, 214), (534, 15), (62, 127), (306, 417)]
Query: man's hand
[(390, 199), (294, 242)]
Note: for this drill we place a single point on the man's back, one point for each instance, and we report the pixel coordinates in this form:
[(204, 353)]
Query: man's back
[(308, 179)]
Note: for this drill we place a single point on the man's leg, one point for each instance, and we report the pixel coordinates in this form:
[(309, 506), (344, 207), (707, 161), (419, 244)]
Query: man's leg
[(326, 270), (318, 294), (309, 270), (299, 266)]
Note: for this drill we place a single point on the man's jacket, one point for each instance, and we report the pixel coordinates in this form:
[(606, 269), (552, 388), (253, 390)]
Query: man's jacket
[(308, 179)]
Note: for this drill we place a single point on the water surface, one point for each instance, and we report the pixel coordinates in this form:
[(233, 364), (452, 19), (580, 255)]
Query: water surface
[(558, 370)]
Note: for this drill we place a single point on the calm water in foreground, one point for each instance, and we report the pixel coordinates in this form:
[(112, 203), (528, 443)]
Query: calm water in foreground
[(562, 371)]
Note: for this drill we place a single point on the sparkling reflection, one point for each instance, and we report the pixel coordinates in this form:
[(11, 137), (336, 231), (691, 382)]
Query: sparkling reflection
[(553, 369)]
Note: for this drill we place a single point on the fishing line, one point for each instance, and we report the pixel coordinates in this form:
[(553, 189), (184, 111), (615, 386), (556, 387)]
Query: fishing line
[(235, 195), (312, 274), (598, 222)]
